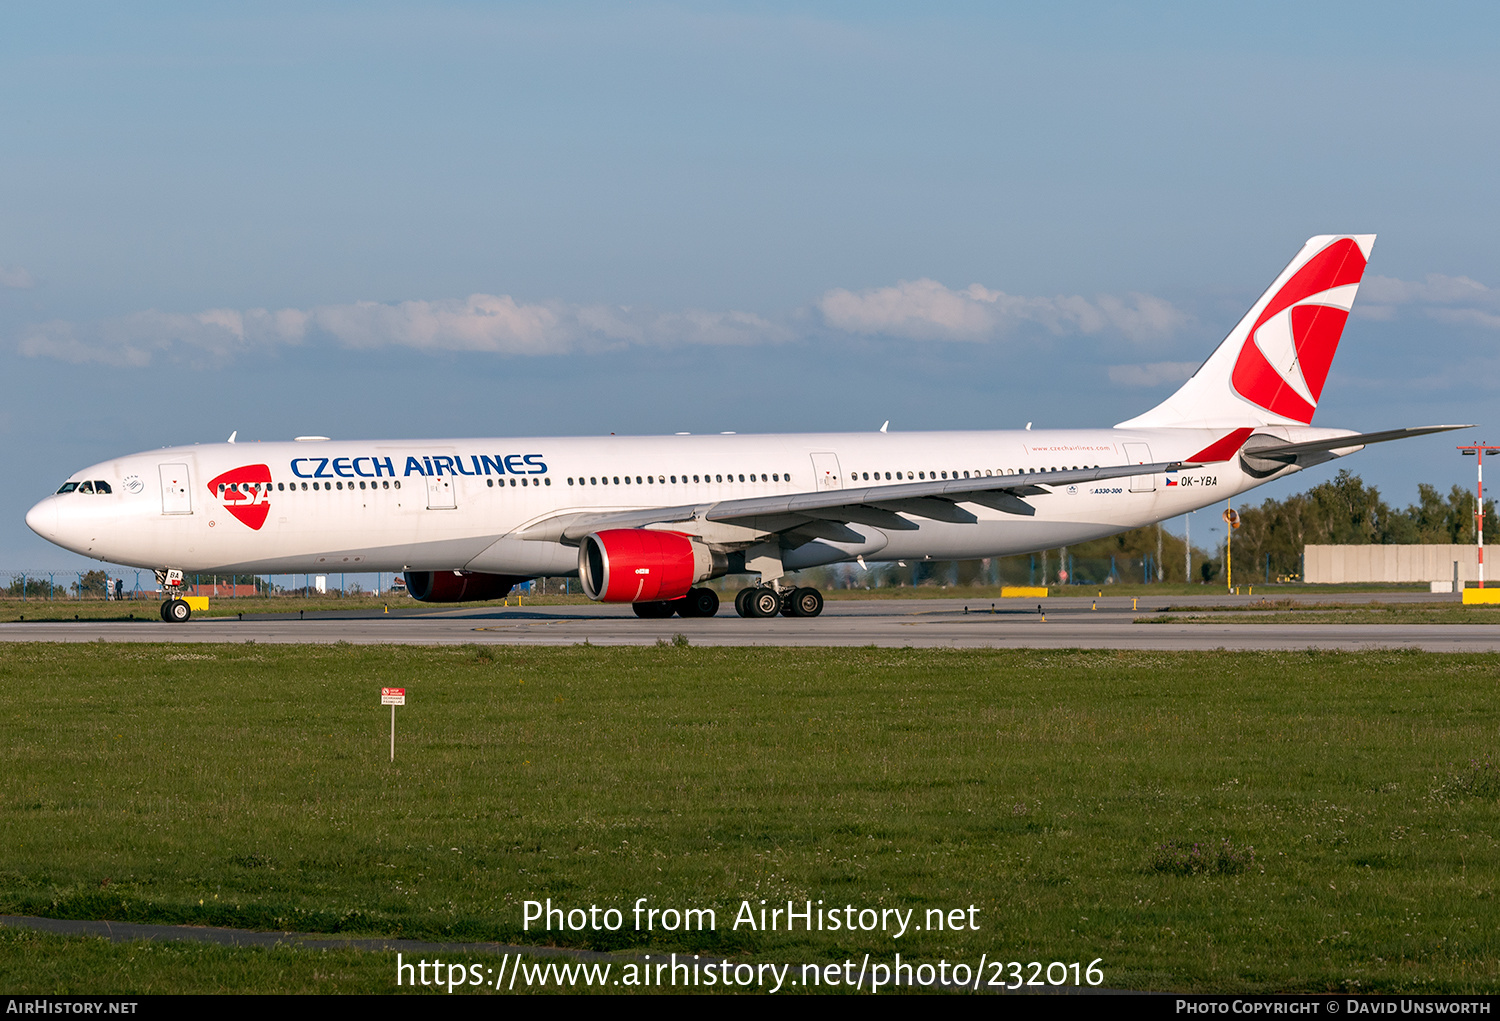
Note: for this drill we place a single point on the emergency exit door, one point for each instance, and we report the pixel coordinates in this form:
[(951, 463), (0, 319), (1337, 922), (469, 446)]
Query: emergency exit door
[(826, 471)]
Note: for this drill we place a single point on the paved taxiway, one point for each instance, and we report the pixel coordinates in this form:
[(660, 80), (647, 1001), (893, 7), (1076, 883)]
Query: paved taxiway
[(917, 623)]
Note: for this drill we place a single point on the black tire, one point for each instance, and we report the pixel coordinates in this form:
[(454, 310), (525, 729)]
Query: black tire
[(179, 612), (699, 602), (165, 606), (806, 602), (742, 602), (765, 603)]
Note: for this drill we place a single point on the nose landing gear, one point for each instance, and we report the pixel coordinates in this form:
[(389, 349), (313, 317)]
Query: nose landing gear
[(175, 610)]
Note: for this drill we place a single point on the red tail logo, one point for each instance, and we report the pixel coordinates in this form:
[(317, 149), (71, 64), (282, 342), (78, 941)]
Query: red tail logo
[(245, 492), (1285, 359)]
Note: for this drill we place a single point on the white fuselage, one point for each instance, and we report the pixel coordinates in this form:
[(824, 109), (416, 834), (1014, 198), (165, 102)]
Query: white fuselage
[(464, 504)]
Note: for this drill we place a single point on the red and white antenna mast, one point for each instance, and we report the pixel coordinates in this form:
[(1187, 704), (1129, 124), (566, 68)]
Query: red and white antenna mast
[(1477, 451)]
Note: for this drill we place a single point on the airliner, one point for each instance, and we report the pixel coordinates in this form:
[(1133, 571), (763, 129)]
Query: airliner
[(646, 520)]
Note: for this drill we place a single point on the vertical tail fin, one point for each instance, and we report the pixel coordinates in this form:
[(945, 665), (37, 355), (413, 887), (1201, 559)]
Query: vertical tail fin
[(1271, 368)]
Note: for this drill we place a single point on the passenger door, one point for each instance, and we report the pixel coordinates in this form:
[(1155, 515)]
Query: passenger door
[(440, 494), (1140, 453), (176, 497)]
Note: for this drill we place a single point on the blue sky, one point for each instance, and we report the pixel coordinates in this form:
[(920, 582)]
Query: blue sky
[(492, 219)]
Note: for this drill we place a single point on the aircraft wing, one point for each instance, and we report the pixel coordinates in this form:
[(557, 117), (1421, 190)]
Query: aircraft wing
[(871, 505)]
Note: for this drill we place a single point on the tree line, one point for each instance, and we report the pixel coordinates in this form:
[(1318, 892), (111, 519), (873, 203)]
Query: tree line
[(1341, 511)]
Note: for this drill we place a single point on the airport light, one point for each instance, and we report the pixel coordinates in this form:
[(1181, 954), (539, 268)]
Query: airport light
[(1477, 451)]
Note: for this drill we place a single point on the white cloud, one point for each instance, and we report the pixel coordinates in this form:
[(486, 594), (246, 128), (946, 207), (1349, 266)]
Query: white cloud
[(1459, 301), (1151, 374), (480, 323), (15, 276), (927, 310)]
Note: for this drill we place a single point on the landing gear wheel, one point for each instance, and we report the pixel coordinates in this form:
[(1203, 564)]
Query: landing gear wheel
[(802, 602), (178, 611), (764, 602), (166, 607), (742, 602), (699, 602), (653, 610)]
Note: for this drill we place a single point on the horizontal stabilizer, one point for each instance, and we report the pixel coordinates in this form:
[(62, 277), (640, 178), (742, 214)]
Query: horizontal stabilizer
[(1292, 450)]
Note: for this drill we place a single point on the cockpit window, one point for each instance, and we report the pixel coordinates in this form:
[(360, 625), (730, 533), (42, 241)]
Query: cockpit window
[(85, 487), (102, 487), (68, 487)]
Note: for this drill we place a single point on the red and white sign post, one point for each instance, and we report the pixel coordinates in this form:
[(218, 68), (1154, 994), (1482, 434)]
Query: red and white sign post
[(1477, 451), (393, 697)]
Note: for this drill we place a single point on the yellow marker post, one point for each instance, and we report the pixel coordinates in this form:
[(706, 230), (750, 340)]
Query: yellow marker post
[(1231, 522)]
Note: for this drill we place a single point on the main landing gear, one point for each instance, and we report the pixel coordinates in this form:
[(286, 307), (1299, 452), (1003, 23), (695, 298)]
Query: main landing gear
[(175, 611), (699, 602), (767, 602)]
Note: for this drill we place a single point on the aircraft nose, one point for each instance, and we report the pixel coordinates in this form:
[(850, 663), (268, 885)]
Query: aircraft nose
[(42, 519)]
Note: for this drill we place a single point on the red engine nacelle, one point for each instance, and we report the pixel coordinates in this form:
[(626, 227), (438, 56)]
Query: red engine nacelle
[(458, 586), (641, 565)]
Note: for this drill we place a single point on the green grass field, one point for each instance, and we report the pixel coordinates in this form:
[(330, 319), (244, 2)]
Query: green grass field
[(1059, 792)]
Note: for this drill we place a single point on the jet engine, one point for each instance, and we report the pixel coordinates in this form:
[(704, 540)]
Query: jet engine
[(458, 586), (638, 565)]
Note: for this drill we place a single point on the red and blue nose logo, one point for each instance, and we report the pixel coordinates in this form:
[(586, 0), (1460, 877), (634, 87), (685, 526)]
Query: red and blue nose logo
[(245, 492)]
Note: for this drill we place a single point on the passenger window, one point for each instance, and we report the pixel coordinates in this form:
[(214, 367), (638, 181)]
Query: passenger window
[(617, 480), (513, 483), (674, 480), (695, 478), (548, 481), (361, 485), (742, 478), (398, 483), (775, 476), (638, 480)]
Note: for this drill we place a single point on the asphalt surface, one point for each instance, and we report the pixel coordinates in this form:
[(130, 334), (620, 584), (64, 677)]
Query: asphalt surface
[(1068, 622)]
